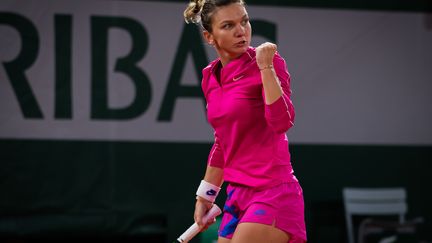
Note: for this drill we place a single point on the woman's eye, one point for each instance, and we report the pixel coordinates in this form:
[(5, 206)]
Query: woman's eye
[(245, 21), (226, 26)]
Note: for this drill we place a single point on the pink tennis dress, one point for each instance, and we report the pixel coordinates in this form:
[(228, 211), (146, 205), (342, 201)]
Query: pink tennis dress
[(251, 146)]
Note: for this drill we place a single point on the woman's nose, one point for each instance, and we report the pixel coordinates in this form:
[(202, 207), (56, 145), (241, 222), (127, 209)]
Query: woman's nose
[(240, 31)]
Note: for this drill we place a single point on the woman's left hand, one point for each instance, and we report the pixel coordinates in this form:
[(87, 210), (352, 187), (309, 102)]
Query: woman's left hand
[(264, 54)]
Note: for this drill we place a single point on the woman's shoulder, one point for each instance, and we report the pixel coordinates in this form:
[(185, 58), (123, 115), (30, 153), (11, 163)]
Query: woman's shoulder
[(206, 73), (208, 69)]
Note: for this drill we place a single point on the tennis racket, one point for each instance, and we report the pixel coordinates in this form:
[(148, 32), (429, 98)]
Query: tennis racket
[(195, 229)]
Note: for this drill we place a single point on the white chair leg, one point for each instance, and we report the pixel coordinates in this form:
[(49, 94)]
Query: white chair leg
[(350, 229), (389, 239)]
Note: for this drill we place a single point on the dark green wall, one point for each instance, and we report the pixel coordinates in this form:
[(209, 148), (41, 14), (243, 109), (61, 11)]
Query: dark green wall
[(392, 5), (81, 188)]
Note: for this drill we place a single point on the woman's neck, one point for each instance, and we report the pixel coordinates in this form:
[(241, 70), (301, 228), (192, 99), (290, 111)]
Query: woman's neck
[(225, 58)]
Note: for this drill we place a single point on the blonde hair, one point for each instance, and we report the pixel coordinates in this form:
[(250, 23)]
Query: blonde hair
[(193, 11), (201, 11)]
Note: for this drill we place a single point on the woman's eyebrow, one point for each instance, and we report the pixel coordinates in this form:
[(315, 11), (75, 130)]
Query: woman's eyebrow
[(230, 20)]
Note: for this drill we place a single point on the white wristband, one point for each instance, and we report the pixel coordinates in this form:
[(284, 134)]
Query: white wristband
[(208, 191)]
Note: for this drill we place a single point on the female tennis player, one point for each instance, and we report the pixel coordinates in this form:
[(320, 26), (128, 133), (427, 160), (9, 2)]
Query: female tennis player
[(247, 91)]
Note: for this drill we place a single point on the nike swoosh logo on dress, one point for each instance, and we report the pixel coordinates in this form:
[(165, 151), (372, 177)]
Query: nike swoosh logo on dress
[(237, 78)]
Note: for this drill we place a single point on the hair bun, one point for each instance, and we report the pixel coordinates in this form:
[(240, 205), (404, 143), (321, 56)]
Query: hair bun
[(192, 13)]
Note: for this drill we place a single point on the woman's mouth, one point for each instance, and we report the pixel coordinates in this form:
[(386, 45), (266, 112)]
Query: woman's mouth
[(240, 43)]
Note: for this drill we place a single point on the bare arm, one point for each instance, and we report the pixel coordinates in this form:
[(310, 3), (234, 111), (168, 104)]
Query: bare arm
[(214, 175), (272, 89), (271, 84), (279, 110)]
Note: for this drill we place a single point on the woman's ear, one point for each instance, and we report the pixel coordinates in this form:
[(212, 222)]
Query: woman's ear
[(208, 37)]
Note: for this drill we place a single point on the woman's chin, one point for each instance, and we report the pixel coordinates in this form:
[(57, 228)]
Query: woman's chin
[(239, 50)]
